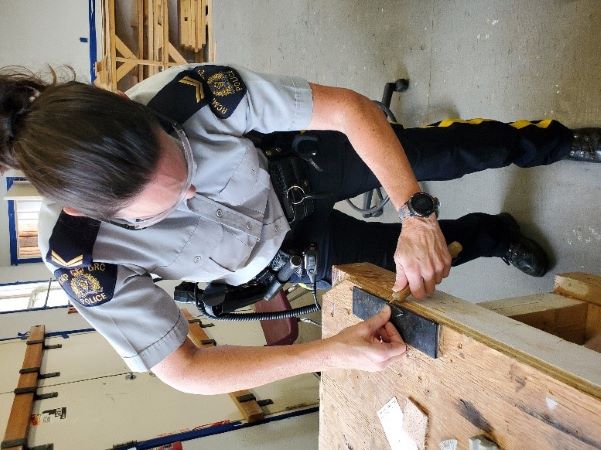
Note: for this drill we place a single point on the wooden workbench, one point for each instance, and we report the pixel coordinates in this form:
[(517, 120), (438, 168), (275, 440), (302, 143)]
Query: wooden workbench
[(520, 387)]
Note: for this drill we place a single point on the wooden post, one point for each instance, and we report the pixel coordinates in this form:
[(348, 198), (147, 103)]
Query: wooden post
[(165, 46), (210, 43), (112, 45), (140, 36), (17, 428)]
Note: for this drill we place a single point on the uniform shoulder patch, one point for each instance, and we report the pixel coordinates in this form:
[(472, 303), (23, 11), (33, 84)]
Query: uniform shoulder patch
[(92, 285), (226, 88), (70, 248), (220, 87), (72, 241)]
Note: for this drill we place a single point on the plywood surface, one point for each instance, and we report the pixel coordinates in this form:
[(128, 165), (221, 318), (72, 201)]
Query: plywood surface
[(474, 387)]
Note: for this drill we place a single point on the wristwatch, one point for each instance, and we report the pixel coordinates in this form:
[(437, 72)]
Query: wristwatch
[(421, 204)]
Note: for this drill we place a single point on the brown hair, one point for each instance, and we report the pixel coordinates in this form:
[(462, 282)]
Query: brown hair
[(79, 145)]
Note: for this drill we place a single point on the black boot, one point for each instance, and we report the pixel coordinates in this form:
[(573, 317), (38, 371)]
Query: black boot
[(523, 253), (586, 145)]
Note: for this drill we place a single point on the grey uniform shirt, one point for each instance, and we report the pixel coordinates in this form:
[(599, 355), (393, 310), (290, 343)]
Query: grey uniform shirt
[(229, 231)]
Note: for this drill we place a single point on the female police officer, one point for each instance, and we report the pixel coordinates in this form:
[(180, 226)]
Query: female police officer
[(168, 184)]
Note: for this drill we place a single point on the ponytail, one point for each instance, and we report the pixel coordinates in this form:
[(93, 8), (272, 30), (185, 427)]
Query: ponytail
[(18, 89), (79, 145)]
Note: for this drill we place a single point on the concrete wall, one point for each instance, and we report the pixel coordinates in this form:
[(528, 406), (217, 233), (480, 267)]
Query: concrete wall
[(501, 59), (37, 33)]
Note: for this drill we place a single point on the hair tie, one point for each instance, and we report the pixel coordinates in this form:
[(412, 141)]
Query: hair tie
[(35, 95)]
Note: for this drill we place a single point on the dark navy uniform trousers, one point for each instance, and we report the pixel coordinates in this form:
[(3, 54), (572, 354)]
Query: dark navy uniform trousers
[(444, 151)]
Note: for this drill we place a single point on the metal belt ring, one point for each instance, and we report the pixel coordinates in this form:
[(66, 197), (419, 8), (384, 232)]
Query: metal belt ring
[(292, 194)]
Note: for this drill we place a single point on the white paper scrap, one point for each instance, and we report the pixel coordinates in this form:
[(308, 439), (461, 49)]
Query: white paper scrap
[(449, 444), (391, 418)]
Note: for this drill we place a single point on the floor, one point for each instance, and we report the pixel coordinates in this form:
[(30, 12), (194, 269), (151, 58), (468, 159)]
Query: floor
[(465, 58)]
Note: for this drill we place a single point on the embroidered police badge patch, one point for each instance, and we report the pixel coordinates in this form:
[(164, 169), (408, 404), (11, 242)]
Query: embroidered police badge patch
[(225, 86), (89, 286), (219, 87)]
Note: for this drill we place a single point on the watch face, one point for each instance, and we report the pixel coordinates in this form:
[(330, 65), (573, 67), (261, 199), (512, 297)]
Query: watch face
[(422, 204)]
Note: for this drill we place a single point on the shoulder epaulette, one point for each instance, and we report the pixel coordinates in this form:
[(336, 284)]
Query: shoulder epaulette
[(72, 241), (220, 87), (71, 246)]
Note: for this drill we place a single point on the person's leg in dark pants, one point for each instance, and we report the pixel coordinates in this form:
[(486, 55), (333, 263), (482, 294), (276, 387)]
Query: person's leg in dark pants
[(342, 239), (449, 150), (438, 153)]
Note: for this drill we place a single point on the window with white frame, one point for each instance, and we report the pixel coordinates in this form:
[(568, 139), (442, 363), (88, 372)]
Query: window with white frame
[(24, 204), (32, 295)]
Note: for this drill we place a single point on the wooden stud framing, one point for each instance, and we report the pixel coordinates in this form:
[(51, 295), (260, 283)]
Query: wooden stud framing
[(154, 50), (112, 44), (165, 29), (17, 427), (202, 25), (244, 400), (210, 52), (561, 316), (140, 36), (585, 287), (582, 286), (519, 386)]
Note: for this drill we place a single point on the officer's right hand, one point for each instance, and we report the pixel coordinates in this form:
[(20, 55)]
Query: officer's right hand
[(371, 345), (422, 257)]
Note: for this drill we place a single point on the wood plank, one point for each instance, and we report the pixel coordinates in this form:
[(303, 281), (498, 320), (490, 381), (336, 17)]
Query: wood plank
[(124, 69), (201, 32), (593, 321), (561, 316), (175, 55), (123, 49), (146, 62), (193, 25), (471, 389), (210, 51), (19, 419), (567, 362), (582, 286), (182, 15), (112, 46), (150, 35), (140, 36), (165, 30), (517, 306), (250, 409), (107, 44)]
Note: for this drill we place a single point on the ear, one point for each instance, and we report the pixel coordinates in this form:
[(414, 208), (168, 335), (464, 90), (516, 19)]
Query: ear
[(72, 211)]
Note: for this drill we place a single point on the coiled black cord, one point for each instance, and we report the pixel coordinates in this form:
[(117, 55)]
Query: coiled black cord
[(247, 317), (276, 315)]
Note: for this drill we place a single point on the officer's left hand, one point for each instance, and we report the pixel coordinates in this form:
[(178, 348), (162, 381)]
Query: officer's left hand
[(422, 258)]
